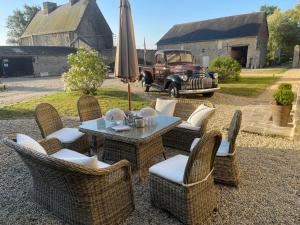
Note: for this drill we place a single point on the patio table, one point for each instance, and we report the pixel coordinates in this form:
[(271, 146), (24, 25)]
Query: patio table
[(140, 146)]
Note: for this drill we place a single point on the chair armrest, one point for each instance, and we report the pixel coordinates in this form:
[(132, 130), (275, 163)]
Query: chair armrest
[(125, 164), (51, 145)]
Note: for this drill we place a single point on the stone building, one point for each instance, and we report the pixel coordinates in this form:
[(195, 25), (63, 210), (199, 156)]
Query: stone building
[(79, 23), (244, 37), (33, 60)]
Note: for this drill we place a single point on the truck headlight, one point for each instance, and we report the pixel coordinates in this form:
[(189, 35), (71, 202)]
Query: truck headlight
[(184, 77), (216, 75)]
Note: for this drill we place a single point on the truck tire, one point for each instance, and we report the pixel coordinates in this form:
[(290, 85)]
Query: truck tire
[(173, 91), (209, 94), (146, 87)]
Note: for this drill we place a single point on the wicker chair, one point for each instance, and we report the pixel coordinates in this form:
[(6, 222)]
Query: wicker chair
[(226, 166), (77, 194), (182, 138), (184, 185), (89, 109), (51, 126)]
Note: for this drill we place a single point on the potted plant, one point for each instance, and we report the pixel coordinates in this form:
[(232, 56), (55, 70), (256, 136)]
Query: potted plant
[(282, 107)]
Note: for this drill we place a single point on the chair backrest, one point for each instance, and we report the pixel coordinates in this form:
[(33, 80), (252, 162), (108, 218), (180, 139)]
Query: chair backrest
[(47, 119), (41, 163), (185, 107), (88, 108), (234, 129), (201, 159)]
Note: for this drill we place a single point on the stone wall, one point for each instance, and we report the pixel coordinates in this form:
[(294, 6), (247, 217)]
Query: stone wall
[(257, 49), (94, 30), (50, 65)]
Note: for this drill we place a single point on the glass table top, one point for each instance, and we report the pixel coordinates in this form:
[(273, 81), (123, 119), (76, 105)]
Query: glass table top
[(161, 125)]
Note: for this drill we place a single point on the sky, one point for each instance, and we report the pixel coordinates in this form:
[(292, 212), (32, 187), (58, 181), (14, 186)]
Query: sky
[(153, 18)]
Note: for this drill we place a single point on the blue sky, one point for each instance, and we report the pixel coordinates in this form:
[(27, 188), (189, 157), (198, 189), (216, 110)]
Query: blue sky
[(153, 18)]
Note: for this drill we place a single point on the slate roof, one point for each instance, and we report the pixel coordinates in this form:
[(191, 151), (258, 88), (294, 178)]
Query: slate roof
[(6, 51), (215, 29), (64, 18)]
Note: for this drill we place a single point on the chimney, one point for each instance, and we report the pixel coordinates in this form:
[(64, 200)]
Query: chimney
[(49, 7), (72, 2)]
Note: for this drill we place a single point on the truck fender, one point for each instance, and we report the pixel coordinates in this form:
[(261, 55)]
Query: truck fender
[(210, 74), (147, 76), (173, 78)]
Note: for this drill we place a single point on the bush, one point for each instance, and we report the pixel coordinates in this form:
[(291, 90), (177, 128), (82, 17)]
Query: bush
[(87, 72), (285, 86), (226, 67), (284, 97)]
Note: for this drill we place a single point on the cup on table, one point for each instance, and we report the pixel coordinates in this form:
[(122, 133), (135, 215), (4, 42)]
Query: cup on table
[(139, 122)]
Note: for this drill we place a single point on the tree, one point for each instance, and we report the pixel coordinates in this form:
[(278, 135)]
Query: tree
[(269, 10), (87, 72), (18, 21), (284, 34)]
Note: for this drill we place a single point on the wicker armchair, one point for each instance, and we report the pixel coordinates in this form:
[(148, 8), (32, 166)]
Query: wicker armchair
[(51, 126), (184, 185), (182, 138), (77, 194), (226, 166), (89, 109)]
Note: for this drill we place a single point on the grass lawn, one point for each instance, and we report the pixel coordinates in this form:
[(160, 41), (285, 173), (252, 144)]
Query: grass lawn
[(248, 86), (65, 103)]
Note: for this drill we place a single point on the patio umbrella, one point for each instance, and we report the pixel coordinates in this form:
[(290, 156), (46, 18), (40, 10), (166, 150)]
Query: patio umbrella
[(126, 63)]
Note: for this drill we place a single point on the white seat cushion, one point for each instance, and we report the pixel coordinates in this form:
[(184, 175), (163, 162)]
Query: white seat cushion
[(165, 107), (66, 135), (171, 169), (195, 142), (189, 126), (222, 151), (28, 142), (75, 157), (200, 114)]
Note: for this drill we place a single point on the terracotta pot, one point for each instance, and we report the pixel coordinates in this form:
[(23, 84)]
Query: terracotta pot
[(281, 114)]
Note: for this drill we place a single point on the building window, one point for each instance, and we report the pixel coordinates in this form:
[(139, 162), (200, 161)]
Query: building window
[(203, 50)]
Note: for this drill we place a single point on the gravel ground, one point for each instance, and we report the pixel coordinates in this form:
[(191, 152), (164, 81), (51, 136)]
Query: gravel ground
[(268, 193)]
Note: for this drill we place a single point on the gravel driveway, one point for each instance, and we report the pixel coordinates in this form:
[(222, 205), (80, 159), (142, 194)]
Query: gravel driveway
[(19, 89)]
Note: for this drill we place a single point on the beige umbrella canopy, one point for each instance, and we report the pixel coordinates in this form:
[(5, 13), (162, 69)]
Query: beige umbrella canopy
[(126, 63)]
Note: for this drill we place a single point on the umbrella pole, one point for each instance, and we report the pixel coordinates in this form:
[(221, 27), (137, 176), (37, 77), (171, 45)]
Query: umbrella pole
[(129, 96)]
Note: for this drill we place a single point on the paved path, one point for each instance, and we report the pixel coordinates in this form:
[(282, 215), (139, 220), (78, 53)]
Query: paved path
[(257, 116)]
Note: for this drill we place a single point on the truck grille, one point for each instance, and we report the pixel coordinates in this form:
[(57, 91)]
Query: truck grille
[(195, 83)]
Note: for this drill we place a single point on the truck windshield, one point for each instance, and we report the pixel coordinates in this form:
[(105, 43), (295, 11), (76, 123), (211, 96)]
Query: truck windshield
[(179, 57)]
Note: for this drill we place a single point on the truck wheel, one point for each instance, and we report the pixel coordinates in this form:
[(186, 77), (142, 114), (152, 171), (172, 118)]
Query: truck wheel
[(209, 94), (146, 87), (173, 91)]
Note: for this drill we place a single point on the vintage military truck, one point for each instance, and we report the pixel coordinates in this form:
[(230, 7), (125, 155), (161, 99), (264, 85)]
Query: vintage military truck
[(175, 73)]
